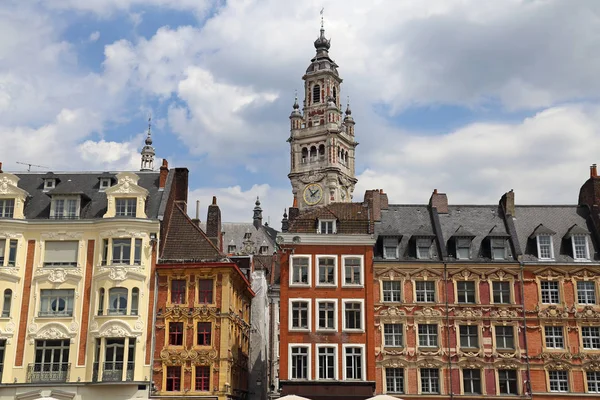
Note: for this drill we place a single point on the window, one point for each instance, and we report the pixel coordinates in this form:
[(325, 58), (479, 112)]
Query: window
[(231, 248), (205, 291), (586, 292), (465, 292), (125, 207), (137, 254), (104, 183), (591, 337), (2, 351), (326, 270), (12, 253), (204, 333), (428, 335), (63, 253), (430, 380), (469, 337), (173, 379), (135, 299), (392, 335), (49, 184), (554, 337), (550, 293), (114, 358), (176, 333), (117, 301), (264, 250), (580, 248), (56, 302), (51, 361), (507, 381), (505, 338), (353, 315), (544, 245), (300, 362), (423, 246), (327, 362), (6, 303), (353, 362), (300, 269), (471, 381), (352, 270), (326, 226), (64, 208), (394, 380), (498, 248), (559, 381), (299, 310), (327, 314), (202, 378), (425, 291), (101, 301), (463, 248), (390, 248), (121, 249), (501, 292), (178, 291), (391, 291), (593, 381), (316, 94), (7, 208)]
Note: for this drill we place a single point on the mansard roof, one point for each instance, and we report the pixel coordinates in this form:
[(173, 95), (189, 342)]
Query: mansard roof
[(351, 218)]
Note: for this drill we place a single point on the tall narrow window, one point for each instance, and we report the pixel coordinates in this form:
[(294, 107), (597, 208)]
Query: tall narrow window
[(300, 270), (554, 337), (202, 378), (498, 248), (137, 254), (104, 251), (3, 349), (316, 94), (593, 381), (204, 333), (299, 367), (425, 291), (394, 380), (101, 301), (327, 315), (354, 359), (559, 381), (176, 333), (428, 335), (353, 315), (390, 248), (580, 248), (304, 158), (430, 380), (352, 271), (173, 379), (505, 337), (126, 207), (205, 291), (300, 315), (178, 291), (326, 362), (545, 250), (335, 95), (12, 253), (469, 338), (7, 208), (472, 381), (392, 334), (590, 336), (507, 381), (6, 304), (463, 248), (322, 152), (423, 247), (135, 299), (501, 292), (550, 292), (326, 270), (2, 249)]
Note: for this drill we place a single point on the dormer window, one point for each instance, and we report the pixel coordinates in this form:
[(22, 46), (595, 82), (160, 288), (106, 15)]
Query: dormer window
[(126, 207), (544, 247), (264, 250), (49, 184), (231, 248), (498, 246), (326, 226), (463, 248), (390, 248), (7, 208), (423, 248), (105, 183), (580, 248), (64, 208)]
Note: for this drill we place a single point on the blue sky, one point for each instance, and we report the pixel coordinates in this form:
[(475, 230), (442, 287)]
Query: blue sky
[(472, 98)]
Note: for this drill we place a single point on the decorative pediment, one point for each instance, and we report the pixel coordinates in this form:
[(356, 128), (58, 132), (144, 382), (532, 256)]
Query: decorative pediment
[(10, 274), (393, 363), (392, 311), (584, 273), (592, 366), (507, 364), (471, 363), (7, 331), (468, 313), (52, 331), (554, 312), (504, 313), (182, 356), (118, 329), (428, 312), (550, 273), (390, 274), (426, 274), (588, 312), (558, 365), (430, 363), (120, 274), (501, 274), (58, 275), (127, 186), (466, 274)]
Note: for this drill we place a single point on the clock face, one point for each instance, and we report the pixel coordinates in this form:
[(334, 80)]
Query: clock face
[(313, 194)]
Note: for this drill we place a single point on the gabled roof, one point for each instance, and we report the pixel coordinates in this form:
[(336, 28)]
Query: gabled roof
[(462, 232), (576, 230), (496, 232), (352, 218), (542, 230)]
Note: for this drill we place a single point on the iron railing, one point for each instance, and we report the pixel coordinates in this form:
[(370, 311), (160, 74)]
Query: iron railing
[(48, 372), (112, 371)]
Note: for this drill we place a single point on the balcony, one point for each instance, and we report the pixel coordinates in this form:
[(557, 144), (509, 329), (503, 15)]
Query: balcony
[(48, 372), (112, 371)]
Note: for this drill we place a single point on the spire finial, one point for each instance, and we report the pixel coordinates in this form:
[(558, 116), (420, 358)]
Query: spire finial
[(322, 24), (348, 111), (296, 106), (148, 150), (149, 135)]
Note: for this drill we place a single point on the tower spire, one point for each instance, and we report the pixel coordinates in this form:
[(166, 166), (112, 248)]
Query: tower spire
[(148, 151)]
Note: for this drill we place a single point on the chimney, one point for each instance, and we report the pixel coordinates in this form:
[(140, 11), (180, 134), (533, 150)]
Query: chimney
[(180, 186), (508, 203), (197, 219), (593, 171), (0, 167), (589, 194), (164, 171), (294, 211), (439, 201), (257, 218), (213, 224)]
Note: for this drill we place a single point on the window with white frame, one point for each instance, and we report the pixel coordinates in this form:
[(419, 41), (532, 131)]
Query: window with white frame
[(326, 226), (544, 246), (299, 310), (580, 248), (105, 183), (507, 381), (122, 251), (7, 208), (353, 270), (505, 337), (60, 253), (501, 292), (469, 336), (559, 381), (550, 292), (300, 362), (463, 248), (425, 291), (117, 301), (498, 247), (392, 335), (326, 268), (231, 248), (49, 184), (125, 207), (64, 208), (394, 380), (590, 336), (554, 337), (300, 270), (423, 248), (465, 291), (593, 381), (430, 380), (390, 248), (391, 291), (327, 361), (471, 381), (428, 335), (353, 315), (8, 252), (327, 312), (586, 292), (56, 302), (353, 362)]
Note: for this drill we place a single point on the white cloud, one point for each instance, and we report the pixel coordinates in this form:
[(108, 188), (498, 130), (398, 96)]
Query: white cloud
[(94, 36)]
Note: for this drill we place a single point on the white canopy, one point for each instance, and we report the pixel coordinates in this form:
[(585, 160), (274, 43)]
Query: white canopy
[(384, 397), (293, 397)]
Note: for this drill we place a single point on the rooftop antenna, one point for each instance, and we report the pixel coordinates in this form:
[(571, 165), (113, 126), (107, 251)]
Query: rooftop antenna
[(31, 165)]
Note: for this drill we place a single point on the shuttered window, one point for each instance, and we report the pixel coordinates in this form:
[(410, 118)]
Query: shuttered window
[(63, 253)]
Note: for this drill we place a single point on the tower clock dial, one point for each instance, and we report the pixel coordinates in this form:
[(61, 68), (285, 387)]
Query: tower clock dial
[(313, 194)]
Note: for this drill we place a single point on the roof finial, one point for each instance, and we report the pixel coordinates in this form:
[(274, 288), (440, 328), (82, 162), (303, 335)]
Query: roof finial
[(348, 110), (322, 10), (149, 135), (296, 106), (148, 150)]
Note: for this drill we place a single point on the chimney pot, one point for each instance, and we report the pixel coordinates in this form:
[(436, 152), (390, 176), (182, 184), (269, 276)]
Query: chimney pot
[(434, 191), (0, 167), (198, 210), (593, 171), (214, 200)]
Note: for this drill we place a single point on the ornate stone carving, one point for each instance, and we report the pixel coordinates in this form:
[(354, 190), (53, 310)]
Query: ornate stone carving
[(428, 312), (115, 328), (393, 363), (63, 235), (588, 312), (392, 311), (468, 313), (181, 356), (58, 275), (52, 330), (554, 312), (310, 178), (504, 313)]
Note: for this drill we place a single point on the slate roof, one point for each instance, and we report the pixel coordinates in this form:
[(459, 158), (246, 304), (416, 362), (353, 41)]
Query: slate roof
[(87, 184), (352, 218)]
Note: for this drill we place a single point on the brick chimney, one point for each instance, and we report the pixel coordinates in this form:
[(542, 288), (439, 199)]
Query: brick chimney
[(377, 200), (293, 211), (508, 203), (213, 224), (0, 167), (164, 171), (439, 201), (589, 194)]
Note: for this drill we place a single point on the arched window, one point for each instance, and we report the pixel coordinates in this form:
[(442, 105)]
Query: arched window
[(322, 152), (316, 94), (6, 305), (101, 301), (135, 297), (304, 155), (335, 95), (313, 154), (117, 301)]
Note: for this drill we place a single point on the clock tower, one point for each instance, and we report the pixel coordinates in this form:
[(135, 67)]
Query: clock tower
[(322, 144)]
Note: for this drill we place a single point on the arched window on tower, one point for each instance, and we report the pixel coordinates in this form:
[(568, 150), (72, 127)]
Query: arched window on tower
[(346, 158), (313, 154), (316, 94), (335, 95), (322, 152), (304, 155), (6, 305)]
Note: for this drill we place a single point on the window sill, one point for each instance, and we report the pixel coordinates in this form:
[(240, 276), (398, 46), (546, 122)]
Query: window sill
[(300, 285), (55, 316), (326, 285), (327, 330), (299, 330), (347, 330), (350, 286)]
